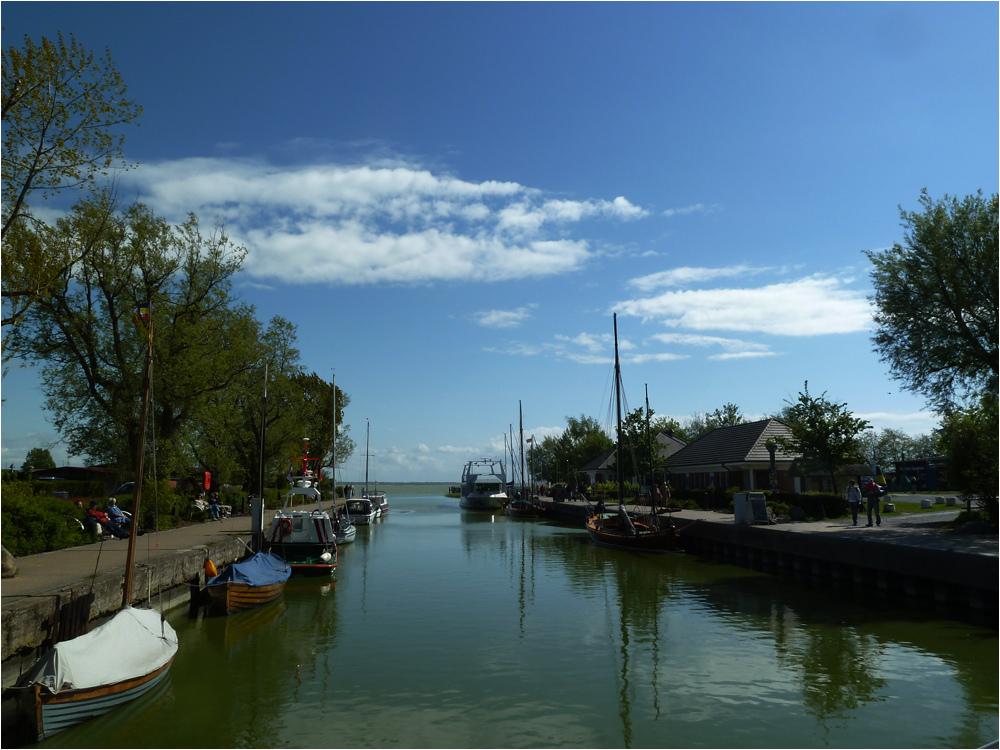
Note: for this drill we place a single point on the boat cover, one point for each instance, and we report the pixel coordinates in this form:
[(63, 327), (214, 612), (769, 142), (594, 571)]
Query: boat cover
[(133, 643), (263, 569)]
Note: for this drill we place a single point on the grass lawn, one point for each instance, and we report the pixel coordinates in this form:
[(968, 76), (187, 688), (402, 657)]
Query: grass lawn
[(905, 506)]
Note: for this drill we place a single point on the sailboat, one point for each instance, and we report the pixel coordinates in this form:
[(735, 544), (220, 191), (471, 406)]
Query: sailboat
[(378, 499), (620, 531), (81, 678), (302, 537), (521, 506), (343, 529)]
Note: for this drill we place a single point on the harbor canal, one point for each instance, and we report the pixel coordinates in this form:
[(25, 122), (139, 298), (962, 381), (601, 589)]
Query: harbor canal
[(465, 629)]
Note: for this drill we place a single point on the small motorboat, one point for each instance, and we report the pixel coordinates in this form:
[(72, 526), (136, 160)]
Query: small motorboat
[(255, 581), (343, 529), (360, 510)]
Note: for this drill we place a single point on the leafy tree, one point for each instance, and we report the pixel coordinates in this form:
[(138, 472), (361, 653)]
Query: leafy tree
[(581, 442), (61, 110), (936, 299), (824, 432), (700, 425), (636, 444), (37, 458), (969, 440), (91, 354), (887, 446), (226, 439)]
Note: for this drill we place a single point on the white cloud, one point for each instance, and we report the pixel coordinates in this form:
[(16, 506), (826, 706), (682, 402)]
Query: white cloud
[(811, 306), (362, 224), (686, 276), (696, 208), (504, 318), (742, 355)]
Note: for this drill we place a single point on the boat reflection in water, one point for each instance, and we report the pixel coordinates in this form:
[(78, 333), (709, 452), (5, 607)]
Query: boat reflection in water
[(469, 632)]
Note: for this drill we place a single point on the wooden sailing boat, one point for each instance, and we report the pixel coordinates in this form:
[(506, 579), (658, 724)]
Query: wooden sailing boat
[(85, 677), (645, 533)]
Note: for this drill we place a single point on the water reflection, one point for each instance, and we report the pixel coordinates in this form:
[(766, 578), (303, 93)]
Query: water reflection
[(446, 628)]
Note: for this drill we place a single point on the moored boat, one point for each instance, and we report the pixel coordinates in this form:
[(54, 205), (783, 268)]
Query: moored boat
[(302, 536), (79, 679), (360, 510), (483, 485), (82, 677), (649, 533), (255, 581)]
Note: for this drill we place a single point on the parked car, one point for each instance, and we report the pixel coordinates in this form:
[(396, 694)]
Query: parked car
[(125, 489)]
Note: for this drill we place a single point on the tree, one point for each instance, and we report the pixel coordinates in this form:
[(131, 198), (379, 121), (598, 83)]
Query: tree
[(969, 441), (37, 458), (700, 425), (884, 448), (91, 354), (61, 108), (936, 300), (824, 432), (562, 456)]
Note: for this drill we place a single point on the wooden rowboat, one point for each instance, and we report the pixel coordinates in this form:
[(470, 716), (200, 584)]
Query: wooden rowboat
[(255, 581)]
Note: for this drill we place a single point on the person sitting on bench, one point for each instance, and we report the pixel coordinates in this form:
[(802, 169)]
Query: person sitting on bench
[(106, 523)]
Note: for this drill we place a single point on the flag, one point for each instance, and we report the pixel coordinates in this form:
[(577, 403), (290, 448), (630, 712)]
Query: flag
[(529, 440), (141, 316)]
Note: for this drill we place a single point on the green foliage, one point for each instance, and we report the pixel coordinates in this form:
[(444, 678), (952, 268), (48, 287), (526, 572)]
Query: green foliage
[(91, 353), (37, 458), (559, 458), (936, 299), (33, 524), (61, 111), (700, 425), (969, 440), (824, 432), (883, 448)]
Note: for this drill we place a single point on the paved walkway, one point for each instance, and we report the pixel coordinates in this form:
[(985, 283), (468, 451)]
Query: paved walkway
[(54, 570)]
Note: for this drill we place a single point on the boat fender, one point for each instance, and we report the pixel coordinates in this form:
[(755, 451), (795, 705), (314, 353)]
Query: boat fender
[(210, 569), (326, 557)]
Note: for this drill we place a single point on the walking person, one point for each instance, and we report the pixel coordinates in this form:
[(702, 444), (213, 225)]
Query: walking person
[(873, 500), (854, 500)]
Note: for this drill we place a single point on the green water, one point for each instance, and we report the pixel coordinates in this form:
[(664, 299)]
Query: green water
[(446, 628)]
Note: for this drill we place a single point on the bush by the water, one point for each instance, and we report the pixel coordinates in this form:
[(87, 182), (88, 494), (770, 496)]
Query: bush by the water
[(36, 523)]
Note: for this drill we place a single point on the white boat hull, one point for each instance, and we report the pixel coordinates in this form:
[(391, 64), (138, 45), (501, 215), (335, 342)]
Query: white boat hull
[(482, 502)]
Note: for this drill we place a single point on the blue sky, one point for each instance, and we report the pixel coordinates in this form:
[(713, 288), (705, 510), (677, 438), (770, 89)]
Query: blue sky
[(450, 200)]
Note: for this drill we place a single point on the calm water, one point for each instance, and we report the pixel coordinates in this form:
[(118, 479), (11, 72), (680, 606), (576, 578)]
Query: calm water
[(446, 628)]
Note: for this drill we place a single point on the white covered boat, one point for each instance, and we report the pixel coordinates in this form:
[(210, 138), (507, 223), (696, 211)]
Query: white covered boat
[(483, 485)]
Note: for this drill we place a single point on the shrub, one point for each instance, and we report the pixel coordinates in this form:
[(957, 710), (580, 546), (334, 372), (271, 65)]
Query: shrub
[(33, 524)]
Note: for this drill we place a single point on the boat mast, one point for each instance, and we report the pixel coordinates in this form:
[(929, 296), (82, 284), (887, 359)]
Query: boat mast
[(259, 535), (520, 415), (140, 454), (619, 463), (652, 480), (333, 382), (368, 432)]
